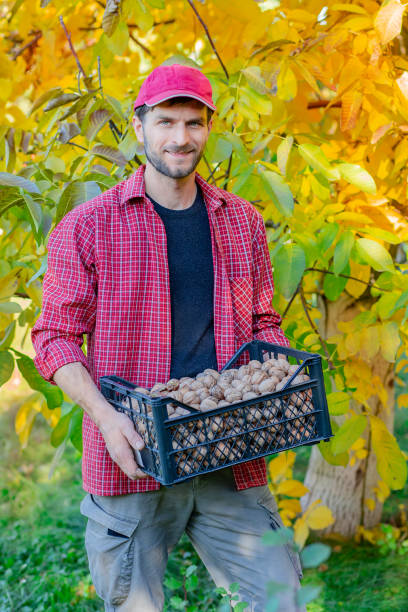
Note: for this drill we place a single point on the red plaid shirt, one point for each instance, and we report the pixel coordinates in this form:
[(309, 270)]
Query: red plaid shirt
[(108, 278)]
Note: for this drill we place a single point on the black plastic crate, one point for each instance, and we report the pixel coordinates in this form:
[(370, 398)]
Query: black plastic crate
[(180, 448)]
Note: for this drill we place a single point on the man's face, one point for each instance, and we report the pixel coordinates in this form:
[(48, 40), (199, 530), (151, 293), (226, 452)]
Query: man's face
[(174, 137)]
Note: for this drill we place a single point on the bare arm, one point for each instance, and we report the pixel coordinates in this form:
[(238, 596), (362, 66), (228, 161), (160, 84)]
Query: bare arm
[(116, 428)]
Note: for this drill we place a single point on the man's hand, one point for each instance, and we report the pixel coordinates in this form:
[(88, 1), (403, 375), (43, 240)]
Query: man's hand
[(120, 437), (117, 429)]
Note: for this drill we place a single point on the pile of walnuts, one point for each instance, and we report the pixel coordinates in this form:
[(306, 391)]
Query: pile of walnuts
[(211, 389)]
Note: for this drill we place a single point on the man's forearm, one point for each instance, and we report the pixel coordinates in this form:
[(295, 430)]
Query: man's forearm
[(75, 380), (117, 429)]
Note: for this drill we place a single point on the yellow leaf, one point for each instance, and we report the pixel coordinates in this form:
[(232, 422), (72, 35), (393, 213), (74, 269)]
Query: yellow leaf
[(370, 341), (301, 532), (293, 488), (388, 21), (320, 517), (291, 506), (9, 284), (25, 417), (287, 84), (391, 464), (403, 400), (354, 287), (390, 340), (281, 466), (350, 109), (370, 503)]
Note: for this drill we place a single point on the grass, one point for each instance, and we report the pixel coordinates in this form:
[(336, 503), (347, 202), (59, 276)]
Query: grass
[(43, 565)]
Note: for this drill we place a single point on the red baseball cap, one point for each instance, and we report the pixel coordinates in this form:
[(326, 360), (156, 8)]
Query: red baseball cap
[(173, 81)]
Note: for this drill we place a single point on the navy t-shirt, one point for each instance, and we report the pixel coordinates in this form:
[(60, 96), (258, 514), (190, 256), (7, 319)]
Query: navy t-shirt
[(191, 275)]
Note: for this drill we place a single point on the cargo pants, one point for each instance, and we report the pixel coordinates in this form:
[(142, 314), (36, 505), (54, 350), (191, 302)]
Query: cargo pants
[(128, 539)]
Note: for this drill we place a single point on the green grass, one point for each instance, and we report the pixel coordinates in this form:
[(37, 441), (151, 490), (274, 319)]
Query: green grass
[(43, 565)]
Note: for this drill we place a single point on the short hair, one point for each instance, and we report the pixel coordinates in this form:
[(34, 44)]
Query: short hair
[(141, 111)]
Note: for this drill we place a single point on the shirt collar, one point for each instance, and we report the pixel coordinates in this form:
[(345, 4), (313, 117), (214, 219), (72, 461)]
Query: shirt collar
[(134, 187)]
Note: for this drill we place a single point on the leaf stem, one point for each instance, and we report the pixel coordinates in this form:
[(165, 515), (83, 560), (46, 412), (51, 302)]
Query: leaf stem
[(74, 53), (313, 326)]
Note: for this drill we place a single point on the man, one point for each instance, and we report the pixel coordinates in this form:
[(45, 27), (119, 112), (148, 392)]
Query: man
[(167, 276)]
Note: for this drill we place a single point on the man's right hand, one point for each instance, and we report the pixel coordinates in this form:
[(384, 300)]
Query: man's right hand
[(121, 438), (117, 429)]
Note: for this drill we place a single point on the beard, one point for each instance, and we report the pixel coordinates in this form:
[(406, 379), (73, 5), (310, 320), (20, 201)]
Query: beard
[(161, 166)]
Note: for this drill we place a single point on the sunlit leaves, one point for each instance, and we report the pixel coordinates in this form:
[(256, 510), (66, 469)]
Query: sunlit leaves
[(76, 193), (278, 191), (374, 254), (6, 366), (14, 180), (315, 157), (110, 153), (289, 266), (388, 21), (348, 433), (391, 463), (111, 16), (52, 393), (357, 176)]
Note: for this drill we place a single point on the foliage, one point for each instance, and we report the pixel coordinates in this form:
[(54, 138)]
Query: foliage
[(287, 492), (312, 127)]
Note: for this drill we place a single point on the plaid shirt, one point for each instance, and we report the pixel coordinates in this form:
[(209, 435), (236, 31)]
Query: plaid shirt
[(108, 278)]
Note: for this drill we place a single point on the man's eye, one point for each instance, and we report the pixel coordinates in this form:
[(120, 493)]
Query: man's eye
[(164, 122)]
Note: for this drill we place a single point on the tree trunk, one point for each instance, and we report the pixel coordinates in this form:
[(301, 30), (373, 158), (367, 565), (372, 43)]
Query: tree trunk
[(344, 489)]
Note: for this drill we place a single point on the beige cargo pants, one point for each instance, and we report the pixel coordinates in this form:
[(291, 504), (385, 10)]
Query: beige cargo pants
[(129, 537)]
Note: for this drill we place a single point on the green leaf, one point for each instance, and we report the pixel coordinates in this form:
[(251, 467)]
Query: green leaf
[(289, 265), (218, 148), (338, 402), (278, 191), (356, 175), (381, 234), (34, 210), (119, 40), (277, 537), (156, 3), (374, 254), (129, 145), (61, 101), (60, 431), (348, 433), (315, 554), (96, 121), (326, 451), (307, 593), (327, 236), (111, 154), (315, 157), (6, 366), (77, 106), (75, 427), (76, 193), (342, 251), (10, 307), (255, 79), (333, 286), (111, 16), (283, 153), (51, 93), (14, 180), (255, 101), (52, 393)]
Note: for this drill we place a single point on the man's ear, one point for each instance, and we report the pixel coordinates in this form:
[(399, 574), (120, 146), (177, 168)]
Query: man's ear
[(210, 124), (138, 127)]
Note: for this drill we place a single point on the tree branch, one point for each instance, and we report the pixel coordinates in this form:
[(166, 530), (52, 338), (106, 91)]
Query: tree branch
[(227, 175), (289, 304), (323, 103), (31, 43), (209, 37), (313, 326), (141, 45), (74, 53)]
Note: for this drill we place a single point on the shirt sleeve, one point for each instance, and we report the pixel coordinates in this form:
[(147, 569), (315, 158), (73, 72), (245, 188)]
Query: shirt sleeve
[(265, 320), (69, 296)]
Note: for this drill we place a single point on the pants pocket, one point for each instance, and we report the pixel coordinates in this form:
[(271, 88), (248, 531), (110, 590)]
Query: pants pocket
[(109, 542), (268, 502)]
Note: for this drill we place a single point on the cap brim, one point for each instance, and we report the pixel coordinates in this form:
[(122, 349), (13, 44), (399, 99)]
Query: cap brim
[(179, 94)]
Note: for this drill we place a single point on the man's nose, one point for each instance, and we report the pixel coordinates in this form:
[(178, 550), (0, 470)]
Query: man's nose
[(180, 135)]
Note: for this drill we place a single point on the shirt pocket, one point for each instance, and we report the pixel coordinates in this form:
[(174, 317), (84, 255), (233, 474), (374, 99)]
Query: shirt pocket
[(241, 297), (109, 542)]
